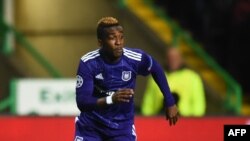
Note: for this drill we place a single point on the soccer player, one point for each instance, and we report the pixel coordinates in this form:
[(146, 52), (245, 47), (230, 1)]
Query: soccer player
[(105, 86)]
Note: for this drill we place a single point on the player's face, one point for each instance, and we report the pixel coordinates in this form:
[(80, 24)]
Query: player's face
[(113, 42)]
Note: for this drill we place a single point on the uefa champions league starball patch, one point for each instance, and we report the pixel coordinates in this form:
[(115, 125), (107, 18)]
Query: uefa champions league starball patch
[(79, 81)]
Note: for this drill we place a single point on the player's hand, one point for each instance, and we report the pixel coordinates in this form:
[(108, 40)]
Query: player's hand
[(123, 95), (172, 114)]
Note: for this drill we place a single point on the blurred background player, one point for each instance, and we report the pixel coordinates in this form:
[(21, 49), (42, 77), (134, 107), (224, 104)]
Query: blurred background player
[(185, 84), (105, 87)]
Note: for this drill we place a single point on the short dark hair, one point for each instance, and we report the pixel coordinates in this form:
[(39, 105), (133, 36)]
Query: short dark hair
[(103, 23)]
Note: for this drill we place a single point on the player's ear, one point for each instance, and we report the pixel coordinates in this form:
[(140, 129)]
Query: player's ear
[(100, 43)]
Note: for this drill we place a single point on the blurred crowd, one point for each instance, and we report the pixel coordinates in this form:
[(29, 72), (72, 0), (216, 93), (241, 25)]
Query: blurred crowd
[(222, 26)]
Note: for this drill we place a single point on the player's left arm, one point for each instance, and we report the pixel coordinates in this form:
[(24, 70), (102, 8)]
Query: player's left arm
[(161, 80), (153, 67)]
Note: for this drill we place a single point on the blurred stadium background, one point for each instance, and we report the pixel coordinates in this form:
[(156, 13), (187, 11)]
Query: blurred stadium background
[(41, 42)]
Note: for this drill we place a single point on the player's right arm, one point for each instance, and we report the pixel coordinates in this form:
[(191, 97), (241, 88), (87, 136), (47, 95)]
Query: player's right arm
[(123, 95), (85, 88)]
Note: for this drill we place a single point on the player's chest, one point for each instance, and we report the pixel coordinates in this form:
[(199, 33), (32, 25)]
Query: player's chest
[(114, 74)]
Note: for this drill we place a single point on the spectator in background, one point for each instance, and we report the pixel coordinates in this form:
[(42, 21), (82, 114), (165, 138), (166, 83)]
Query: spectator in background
[(185, 84)]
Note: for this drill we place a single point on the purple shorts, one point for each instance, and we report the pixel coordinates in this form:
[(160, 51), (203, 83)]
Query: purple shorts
[(85, 132)]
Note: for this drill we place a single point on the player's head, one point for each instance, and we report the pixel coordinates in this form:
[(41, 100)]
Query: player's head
[(110, 36), (174, 59)]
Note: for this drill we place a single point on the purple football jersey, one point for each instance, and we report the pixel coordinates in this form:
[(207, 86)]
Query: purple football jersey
[(97, 78)]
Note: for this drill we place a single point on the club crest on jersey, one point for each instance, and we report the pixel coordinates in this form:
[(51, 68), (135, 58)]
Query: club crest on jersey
[(79, 81), (78, 138), (126, 75)]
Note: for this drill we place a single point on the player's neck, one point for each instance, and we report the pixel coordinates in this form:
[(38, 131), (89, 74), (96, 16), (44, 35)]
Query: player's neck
[(108, 58)]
